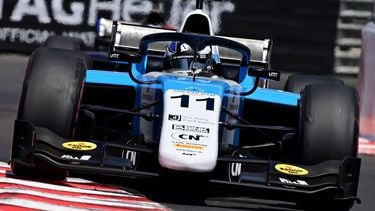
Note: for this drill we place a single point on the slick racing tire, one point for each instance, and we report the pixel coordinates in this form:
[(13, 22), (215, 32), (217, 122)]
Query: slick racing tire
[(297, 82), (328, 131), (63, 42), (50, 98), (328, 122), (52, 89)]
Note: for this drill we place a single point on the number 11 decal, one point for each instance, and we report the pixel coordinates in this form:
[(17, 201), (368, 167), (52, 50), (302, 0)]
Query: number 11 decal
[(184, 100), (210, 102)]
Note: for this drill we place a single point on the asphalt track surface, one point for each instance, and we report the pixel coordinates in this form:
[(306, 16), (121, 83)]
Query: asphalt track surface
[(12, 67)]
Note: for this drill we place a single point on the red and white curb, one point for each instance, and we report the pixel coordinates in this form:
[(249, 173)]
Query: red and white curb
[(366, 146), (70, 195)]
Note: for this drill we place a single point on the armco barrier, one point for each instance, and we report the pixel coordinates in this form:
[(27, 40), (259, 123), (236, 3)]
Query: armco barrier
[(367, 90)]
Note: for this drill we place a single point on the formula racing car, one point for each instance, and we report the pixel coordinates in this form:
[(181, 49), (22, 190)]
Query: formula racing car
[(188, 101)]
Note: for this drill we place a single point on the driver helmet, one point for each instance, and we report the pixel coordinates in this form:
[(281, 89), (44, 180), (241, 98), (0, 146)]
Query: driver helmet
[(180, 58)]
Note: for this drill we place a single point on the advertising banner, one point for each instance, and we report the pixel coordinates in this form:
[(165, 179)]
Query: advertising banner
[(303, 31)]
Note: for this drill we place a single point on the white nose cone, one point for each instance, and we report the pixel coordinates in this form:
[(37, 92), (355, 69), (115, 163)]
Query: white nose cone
[(189, 136)]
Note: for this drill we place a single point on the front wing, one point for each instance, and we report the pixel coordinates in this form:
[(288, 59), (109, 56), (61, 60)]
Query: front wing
[(264, 178)]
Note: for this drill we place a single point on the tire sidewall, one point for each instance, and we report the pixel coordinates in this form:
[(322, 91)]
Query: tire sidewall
[(328, 127), (52, 89)]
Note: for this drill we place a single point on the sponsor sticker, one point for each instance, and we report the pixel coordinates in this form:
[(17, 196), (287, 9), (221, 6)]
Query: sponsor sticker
[(173, 117), (189, 146), (291, 170), (190, 128), (187, 137), (293, 182), (71, 157), (79, 145)]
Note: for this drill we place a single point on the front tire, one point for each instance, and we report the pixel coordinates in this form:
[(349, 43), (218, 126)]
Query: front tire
[(50, 98), (328, 131), (64, 42), (328, 123), (297, 82)]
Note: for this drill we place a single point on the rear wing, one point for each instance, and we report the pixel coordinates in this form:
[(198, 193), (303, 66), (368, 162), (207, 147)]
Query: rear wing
[(126, 37)]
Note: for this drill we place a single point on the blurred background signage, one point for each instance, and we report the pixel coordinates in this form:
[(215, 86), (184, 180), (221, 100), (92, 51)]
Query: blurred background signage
[(303, 32)]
